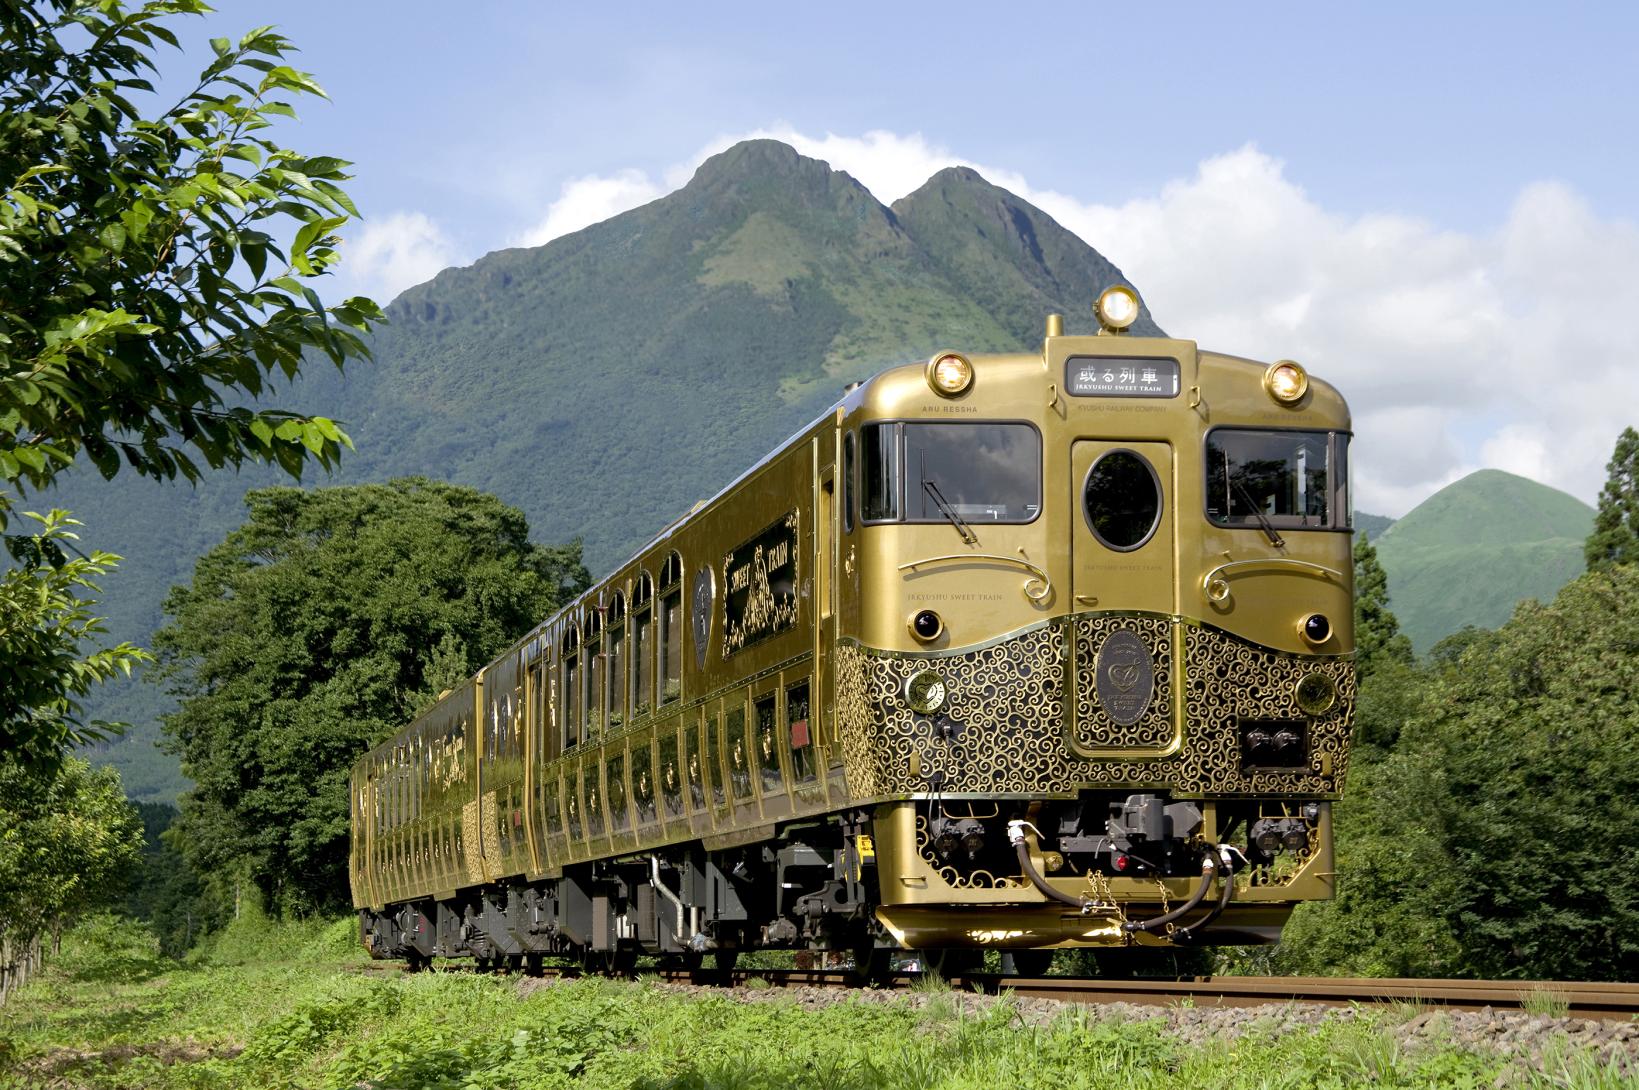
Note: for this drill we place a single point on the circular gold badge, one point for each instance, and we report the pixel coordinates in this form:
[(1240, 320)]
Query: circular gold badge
[(1316, 693), (925, 692)]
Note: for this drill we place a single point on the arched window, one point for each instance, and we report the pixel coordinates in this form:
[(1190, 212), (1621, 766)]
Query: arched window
[(571, 687), (615, 643), (671, 629), (593, 668), (642, 646)]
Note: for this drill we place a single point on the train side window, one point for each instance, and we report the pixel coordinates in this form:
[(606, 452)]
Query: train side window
[(880, 473), (739, 753), (714, 761), (620, 814), (700, 770), (643, 794), (642, 646), (590, 784), (848, 483), (768, 743), (671, 629), (671, 776), (616, 654), (571, 688), (592, 668), (800, 732)]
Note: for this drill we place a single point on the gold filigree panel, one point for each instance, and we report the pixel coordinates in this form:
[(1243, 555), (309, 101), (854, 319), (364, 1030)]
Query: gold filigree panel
[(1006, 707)]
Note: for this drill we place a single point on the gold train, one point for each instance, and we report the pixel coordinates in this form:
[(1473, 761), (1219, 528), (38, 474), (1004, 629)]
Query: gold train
[(1007, 651)]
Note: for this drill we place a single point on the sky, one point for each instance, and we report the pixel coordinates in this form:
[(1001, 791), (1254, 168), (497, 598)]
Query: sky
[(1431, 205)]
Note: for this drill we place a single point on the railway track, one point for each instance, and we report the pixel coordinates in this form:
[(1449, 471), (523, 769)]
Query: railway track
[(1581, 999)]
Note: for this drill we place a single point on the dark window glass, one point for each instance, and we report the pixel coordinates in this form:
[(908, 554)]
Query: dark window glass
[(671, 645), (572, 701), (671, 776), (642, 662), (643, 782), (881, 472), (768, 745), (739, 755), (590, 784), (1122, 500), (617, 676), (714, 762), (620, 815), (848, 483), (1285, 475), (983, 472), (699, 772)]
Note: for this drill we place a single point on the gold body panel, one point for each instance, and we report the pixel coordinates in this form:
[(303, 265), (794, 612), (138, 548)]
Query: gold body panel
[(794, 707)]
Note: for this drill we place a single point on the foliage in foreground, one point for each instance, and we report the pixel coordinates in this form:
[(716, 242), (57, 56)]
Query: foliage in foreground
[(146, 294), (301, 1012)]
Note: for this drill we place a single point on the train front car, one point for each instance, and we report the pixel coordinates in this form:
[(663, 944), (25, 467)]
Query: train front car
[(1094, 649)]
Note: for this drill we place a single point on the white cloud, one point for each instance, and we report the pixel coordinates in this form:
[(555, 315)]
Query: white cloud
[(591, 199), (1505, 348), (392, 253)]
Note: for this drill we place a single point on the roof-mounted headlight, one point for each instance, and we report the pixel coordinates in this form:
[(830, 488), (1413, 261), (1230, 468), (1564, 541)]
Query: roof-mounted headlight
[(950, 374), (1286, 381), (1117, 308)]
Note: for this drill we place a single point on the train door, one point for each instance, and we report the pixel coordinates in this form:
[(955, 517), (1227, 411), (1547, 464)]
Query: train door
[(827, 750), (1123, 586)]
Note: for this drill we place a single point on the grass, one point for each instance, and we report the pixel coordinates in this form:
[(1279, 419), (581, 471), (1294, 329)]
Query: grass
[(282, 1005)]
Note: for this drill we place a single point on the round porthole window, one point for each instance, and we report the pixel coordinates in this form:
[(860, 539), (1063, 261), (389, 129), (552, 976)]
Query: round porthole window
[(1122, 500)]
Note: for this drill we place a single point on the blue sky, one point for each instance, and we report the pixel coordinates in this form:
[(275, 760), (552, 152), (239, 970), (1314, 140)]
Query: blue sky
[(1434, 204)]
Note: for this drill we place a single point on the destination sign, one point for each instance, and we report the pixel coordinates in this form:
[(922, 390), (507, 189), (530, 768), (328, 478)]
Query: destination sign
[(760, 586), (1107, 376)]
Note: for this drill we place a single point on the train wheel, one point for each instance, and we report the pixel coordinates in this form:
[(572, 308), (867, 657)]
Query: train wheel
[(617, 962), (532, 964), (414, 962), (1027, 963), (514, 963), (949, 964), (873, 964)]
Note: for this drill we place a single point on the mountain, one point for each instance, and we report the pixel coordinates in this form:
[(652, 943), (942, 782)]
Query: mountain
[(606, 381), (1472, 551), (1371, 525)]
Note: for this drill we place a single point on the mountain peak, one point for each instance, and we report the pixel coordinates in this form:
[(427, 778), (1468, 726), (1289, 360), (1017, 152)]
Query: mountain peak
[(1492, 507), (764, 167)]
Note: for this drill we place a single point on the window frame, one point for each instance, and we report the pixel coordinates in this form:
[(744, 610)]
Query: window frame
[(1337, 484), (902, 507)]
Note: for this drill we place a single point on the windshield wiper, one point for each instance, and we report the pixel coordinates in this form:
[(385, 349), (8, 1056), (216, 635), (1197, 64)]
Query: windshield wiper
[(968, 536), (1257, 512)]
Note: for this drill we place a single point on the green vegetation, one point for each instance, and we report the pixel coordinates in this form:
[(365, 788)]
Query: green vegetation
[(286, 1005), (1484, 832), (1615, 536), (66, 842), (1470, 552), (316, 629)]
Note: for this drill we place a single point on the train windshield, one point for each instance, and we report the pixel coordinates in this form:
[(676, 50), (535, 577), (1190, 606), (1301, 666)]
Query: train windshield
[(1293, 480), (979, 473)]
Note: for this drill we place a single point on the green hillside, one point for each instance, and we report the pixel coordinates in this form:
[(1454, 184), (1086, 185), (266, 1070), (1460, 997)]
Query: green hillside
[(1472, 551), (606, 381)]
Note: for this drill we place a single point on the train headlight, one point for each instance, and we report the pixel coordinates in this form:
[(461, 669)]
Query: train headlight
[(1316, 693), (925, 625), (1117, 307), (950, 374), (1315, 629), (1286, 381)]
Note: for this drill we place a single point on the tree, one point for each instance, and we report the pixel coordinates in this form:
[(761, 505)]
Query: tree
[(65, 845), (154, 279), (1377, 635), (1615, 537), (313, 631), (45, 618)]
